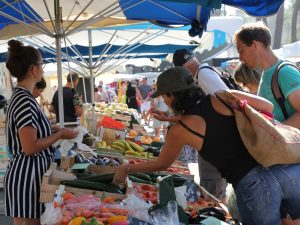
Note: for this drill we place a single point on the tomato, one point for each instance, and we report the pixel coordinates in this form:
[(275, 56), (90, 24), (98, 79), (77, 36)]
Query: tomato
[(68, 196), (147, 187), (171, 169)]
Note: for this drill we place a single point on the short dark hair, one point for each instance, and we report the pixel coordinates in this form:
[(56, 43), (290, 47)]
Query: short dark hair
[(72, 75), (41, 84), (20, 58), (257, 31)]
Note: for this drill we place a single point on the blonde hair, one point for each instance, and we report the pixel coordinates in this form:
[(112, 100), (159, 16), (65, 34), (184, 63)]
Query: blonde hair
[(243, 74)]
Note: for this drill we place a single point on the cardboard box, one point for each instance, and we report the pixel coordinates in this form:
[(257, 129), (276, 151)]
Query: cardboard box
[(51, 181), (101, 169), (122, 117)]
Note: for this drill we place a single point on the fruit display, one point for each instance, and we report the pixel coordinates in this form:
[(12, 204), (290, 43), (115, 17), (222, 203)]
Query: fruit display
[(153, 141), (124, 147), (132, 133), (113, 108), (102, 144)]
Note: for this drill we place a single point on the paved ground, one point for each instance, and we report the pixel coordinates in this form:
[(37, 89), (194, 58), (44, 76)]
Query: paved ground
[(4, 220)]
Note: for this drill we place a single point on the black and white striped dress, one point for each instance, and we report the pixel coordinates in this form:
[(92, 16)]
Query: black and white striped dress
[(24, 174)]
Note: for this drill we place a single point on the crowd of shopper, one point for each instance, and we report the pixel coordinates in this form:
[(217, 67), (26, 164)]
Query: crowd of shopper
[(187, 107)]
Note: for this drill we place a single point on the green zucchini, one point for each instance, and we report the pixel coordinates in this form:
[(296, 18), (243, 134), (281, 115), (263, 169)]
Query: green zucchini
[(142, 176), (97, 186), (104, 178), (138, 180)]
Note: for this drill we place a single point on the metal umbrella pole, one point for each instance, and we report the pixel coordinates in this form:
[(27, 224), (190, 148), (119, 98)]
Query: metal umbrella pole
[(92, 81), (58, 17)]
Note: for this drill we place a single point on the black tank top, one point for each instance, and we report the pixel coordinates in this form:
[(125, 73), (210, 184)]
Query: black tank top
[(222, 146)]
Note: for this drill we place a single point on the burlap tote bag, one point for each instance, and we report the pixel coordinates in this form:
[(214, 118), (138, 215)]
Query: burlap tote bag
[(267, 140)]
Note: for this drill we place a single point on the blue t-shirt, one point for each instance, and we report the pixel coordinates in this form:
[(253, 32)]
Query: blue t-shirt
[(289, 81)]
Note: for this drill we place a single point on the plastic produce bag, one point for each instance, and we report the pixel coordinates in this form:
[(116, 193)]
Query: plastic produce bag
[(167, 215), (137, 207), (51, 215), (53, 211), (180, 192)]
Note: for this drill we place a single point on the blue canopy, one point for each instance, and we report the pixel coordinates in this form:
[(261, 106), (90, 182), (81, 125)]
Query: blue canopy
[(166, 12), (141, 51), (256, 7), (161, 12), (14, 10)]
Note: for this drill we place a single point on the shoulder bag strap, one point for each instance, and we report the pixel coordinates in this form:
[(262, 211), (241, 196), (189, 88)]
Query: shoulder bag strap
[(276, 90), (225, 103)]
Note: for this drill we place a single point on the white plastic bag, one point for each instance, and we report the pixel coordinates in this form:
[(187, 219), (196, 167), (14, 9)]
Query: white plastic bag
[(51, 215), (179, 192), (167, 215), (137, 207)]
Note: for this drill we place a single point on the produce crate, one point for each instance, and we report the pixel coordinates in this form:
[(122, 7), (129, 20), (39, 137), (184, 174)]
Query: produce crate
[(122, 117), (101, 169), (51, 181)]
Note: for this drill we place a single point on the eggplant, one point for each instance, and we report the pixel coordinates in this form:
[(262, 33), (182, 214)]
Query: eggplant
[(93, 159), (106, 161), (100, 162), (78, 159), (118, 160), (87, 161)]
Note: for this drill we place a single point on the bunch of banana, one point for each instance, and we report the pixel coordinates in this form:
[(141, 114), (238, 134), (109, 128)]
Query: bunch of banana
[(102, 144), (128, 148)]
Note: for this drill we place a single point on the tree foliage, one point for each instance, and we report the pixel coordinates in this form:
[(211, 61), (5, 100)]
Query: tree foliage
[(290, 20)]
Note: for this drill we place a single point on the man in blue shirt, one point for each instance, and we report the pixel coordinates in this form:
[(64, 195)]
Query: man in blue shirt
[(254, 47), (253, 42)]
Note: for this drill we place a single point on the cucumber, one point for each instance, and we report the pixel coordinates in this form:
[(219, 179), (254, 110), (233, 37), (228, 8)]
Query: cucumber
[(97, 186), (142, 176), (104, 178), (138, 180)]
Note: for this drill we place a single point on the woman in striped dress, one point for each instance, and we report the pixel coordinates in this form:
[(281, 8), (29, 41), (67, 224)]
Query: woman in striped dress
[(29, 137)]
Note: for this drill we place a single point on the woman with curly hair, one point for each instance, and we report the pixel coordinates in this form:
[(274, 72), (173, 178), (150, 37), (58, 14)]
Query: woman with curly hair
[(208, 125)]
